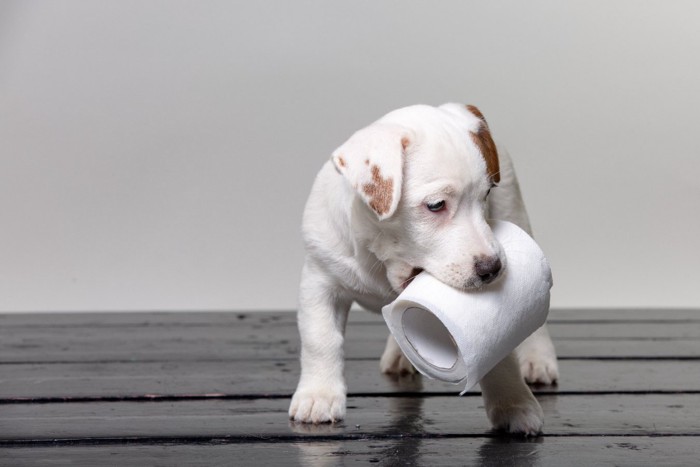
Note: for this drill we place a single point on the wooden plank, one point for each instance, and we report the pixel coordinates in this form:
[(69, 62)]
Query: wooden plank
[(555, 452), (609, 415), (562, 331), (625, 314), (234, 318), (276, 337), (122, 349), (149, 318), (284, 318), (279, 378), (249, 331)]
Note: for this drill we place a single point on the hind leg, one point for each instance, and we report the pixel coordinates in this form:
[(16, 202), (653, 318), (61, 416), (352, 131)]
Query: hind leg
[(393, 360)]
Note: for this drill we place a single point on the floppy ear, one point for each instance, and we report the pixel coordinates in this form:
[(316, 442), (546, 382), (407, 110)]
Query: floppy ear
[(372, 161), (482, 138)]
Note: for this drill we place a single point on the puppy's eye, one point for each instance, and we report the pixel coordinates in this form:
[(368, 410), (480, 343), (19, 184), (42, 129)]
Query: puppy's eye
[(437, 206)]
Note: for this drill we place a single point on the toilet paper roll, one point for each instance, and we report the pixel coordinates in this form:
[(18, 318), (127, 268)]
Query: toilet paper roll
[(457, 336)]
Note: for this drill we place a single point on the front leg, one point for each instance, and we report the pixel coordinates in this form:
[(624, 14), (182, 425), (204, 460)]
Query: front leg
[(321, 393), (538, 359), (509, 402)]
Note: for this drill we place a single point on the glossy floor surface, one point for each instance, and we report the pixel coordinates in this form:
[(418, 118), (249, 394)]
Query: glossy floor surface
[(213, 389)]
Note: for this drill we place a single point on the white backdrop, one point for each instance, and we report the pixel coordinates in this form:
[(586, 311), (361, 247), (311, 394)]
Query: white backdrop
[(157, 155)]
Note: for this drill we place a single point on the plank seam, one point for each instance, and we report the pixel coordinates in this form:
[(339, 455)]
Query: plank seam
[(417, 395), (253, 439), (682, 358)]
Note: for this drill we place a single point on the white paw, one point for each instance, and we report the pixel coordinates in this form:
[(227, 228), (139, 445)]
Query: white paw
[(318, 405), (524, 417), (395, 363), (538, 364)]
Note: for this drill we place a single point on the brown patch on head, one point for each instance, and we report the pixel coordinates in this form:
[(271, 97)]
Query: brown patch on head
[(380, 191), (366, 161), (341, 161), (482, 138), (405, 142)]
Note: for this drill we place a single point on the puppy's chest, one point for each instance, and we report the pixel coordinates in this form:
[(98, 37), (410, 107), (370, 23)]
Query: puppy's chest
[(372, 291), (374, 302)]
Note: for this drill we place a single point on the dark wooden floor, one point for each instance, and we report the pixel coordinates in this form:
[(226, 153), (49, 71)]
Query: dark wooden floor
[(213, 389)]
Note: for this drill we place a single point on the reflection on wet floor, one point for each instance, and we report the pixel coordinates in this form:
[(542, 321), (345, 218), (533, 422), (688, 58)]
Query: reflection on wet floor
[(404, 435)]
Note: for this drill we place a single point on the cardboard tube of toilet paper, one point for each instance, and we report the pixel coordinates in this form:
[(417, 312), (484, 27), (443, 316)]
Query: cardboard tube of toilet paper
[(459, 336)]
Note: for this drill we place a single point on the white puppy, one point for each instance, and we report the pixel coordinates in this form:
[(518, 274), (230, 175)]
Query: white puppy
[(410, 192)]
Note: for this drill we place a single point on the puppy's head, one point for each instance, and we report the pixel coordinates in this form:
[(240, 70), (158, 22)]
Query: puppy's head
[(423, 175)]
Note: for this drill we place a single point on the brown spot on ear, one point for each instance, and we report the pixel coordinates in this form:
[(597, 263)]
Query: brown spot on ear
[(380, 191), (482, 138), (341, 161), (473, 109)]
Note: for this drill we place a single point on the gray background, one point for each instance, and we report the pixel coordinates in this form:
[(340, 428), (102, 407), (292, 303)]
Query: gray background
[(157, 155)]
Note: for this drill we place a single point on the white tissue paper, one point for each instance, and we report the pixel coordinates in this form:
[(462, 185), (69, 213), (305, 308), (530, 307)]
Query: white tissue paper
[(458, 336)]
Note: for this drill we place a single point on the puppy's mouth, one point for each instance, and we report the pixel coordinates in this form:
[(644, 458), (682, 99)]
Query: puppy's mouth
[(409, 279)]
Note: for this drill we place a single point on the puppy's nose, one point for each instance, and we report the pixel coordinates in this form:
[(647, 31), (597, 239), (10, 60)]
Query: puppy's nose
[(487, 268)]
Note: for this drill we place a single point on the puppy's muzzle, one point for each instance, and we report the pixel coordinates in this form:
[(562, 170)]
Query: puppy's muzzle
[(487, 268)]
